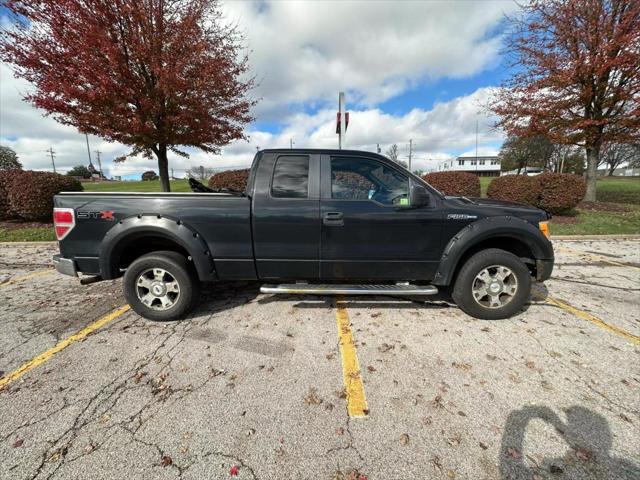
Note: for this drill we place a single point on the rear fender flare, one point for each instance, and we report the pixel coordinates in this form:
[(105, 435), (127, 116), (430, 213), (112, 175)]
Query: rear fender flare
[(159, 226), (484, 229)]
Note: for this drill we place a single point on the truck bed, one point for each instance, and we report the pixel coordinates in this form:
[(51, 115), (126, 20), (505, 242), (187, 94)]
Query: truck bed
[(221, 220)]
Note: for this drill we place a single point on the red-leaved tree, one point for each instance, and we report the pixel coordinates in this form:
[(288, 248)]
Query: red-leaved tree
[(156, 75), (577, 79)]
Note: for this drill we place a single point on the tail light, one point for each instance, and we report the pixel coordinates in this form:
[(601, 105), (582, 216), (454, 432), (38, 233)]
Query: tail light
[(64, 220)]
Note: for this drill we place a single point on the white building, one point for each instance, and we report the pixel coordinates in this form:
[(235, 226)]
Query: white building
[(481, 166)]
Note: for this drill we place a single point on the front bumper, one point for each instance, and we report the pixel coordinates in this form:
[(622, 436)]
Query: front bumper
[(65, 266)]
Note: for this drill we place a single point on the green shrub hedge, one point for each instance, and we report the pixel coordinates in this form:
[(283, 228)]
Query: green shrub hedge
[(515, 188), (455, 183), (5, 178), (231, 179), (560, 192), (30, 193), (554, 192)]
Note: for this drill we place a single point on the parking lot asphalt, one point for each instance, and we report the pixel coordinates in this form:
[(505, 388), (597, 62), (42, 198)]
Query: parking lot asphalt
[(283, 387)]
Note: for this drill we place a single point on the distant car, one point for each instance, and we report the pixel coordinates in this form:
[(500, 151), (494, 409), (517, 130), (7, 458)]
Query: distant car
[(150, 175), (309, 222), (529, 171)]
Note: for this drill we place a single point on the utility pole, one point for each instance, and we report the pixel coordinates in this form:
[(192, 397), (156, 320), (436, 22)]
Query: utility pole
[(410, 152), (88, 150), (476, 146), (378, 148), (52, 153), (291, 142), (172, 177), (98, 152)]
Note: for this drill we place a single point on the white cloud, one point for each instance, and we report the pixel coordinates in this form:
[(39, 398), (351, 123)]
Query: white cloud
[(304, 53), (447, 129), (308, 51)]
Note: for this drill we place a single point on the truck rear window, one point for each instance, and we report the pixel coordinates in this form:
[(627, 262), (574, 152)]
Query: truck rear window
[(291, 177)]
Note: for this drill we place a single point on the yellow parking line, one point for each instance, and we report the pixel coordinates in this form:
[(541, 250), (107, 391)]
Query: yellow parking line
[(585, 316), (356, 400), (26, 277), (43, 357)]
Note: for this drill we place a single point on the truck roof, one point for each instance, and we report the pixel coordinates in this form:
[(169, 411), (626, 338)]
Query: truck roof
[(318, 150)]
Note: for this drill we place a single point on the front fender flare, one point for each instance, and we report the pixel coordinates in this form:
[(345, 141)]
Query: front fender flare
[(484, 229), (159, 226)]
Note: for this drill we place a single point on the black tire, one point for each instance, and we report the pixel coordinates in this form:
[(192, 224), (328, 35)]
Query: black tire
[(463, 289), (178, 269)]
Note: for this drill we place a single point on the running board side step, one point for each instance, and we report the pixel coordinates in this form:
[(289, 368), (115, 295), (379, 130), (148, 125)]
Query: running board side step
[(336, 289)]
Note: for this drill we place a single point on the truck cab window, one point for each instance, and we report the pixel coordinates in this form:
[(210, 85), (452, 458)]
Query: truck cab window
[(363, 179), (291, 177)]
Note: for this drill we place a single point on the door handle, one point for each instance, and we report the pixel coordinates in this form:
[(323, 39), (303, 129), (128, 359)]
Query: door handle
[(333, 219)]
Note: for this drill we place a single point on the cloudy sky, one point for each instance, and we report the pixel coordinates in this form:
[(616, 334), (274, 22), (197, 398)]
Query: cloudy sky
[(411, 70)]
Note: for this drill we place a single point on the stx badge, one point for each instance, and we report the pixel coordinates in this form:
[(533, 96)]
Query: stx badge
[(101, 215)]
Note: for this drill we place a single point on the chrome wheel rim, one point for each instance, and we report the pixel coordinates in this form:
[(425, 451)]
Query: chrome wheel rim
[(494, 287), (157, 289)]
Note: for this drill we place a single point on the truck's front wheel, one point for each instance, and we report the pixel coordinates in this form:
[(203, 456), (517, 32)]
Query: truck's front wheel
[(492, 284), (161, 286)]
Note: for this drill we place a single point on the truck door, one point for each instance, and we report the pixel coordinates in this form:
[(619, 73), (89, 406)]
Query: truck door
[(286, 216), (369, 230)]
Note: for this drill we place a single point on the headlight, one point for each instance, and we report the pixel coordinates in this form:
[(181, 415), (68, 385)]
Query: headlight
[(544, 228)]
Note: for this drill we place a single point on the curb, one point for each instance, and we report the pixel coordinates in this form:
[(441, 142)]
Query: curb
[(18, 244), (630, 236)]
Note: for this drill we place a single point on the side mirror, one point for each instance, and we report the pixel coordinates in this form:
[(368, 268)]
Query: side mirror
[(419, 196)]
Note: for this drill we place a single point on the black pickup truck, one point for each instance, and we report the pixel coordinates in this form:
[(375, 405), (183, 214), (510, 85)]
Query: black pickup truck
[(309, 222)]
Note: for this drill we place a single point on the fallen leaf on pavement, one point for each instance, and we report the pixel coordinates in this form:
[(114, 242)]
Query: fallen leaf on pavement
[(18, 443), (437, 401), (233, 471), (404, 439), (138, 377), (312, 398), (166, 461), (514, 452), (454, 441), (436, 463)]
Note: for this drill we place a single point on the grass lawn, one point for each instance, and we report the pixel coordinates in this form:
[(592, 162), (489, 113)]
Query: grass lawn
[(140, 186), (593, 221), (27, 234), (619, 190)]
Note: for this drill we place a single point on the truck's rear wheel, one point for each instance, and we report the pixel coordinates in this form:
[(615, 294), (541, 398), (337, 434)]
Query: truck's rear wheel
[(161, 286), (492, 284)]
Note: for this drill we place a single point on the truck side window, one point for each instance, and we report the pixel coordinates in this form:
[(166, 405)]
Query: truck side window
[(291, 177), (363, 179)]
